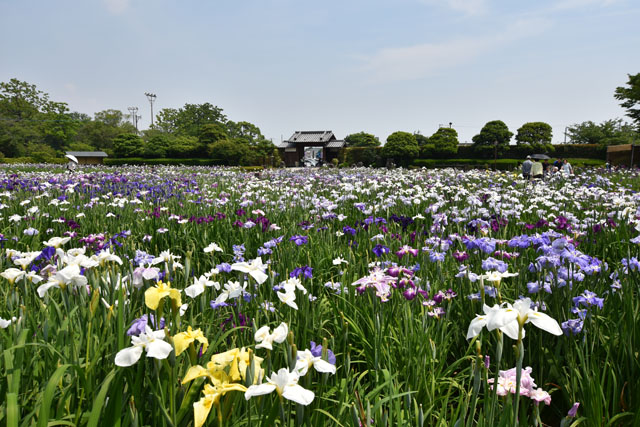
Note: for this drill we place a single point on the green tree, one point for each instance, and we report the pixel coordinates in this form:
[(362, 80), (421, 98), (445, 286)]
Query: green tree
[(128, 145), (244, 132), (609, 132), (113, 118), (228, 152), (402, 147), (212, 132), (492, 133), (536, 135), (444, 141), (630, 97), (189, 119), (183, 146), (361, 139), (28, 116)]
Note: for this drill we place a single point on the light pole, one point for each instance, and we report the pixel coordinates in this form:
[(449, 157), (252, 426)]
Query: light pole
[(151, 97), (134, 116)]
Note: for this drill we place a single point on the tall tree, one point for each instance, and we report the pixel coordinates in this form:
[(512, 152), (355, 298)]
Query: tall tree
[(609, 132), (444, 141), (361, 139), (189, 119), (536, 135), (493, 133), (630, 97), (402, 147)]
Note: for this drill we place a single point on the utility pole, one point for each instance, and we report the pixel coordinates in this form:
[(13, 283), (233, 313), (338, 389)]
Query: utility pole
[(134, 116), (151, 97)]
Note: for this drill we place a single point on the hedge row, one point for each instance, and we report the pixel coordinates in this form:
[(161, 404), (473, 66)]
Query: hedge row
[(586, 151), (19, 160), (501, 164), (139, 161)]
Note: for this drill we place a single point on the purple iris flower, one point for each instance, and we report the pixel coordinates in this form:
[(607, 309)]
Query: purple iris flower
[(216, 305), (138, 325), (588, 299), (379, 250), (494, 264), (349, 230), (224, 267), (572, 327), (316, 350), (299, 240), (305, 271)]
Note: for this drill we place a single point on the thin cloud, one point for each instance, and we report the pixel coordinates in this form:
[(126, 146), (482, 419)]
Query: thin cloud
[(422, 60), (468, 7), (117, 6)]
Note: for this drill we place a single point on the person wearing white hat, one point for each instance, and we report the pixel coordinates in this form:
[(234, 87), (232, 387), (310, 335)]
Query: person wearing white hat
[(526, 168)]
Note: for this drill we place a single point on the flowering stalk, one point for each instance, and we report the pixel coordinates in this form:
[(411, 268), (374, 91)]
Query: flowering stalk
[(520, 355)]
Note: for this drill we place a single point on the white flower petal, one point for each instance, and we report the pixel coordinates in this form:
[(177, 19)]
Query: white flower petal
[(258, 390), (159, 349), (476, 326), (194, 290), (324, 366), (544, 322), (298, 394), (128, 356)]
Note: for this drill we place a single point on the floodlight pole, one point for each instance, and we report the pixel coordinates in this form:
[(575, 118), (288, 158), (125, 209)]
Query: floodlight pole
[(134, 116), (151, 97)]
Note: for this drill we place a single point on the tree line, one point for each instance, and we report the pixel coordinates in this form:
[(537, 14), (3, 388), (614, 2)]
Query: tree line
[(32, 125)]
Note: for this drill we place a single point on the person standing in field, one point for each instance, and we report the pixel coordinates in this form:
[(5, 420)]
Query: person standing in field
[(526, 168), (536, 169), (567, 169)]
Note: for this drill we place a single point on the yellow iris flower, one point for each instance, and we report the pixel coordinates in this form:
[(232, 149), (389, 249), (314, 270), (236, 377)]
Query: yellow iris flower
[(152, 296), (233, 364), (212, 395), (182, 340)]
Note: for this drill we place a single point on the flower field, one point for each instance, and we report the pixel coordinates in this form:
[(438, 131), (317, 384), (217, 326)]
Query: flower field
[(178, 296)]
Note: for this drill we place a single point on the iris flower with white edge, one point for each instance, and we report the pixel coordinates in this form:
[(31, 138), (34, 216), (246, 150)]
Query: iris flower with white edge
[(266, 339), (522, 313), (149, 340), (285, 383), (56, 242), (69, 275), (231, 290), (306, 360), (198, 286), (480, 321), (213, 247), (255, 269)]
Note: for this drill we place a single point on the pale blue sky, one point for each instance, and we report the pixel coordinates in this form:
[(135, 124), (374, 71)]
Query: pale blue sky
[(351, 65)]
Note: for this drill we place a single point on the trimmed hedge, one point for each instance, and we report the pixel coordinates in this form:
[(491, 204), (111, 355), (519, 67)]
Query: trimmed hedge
[(501, 164), (17, 160), (139, 161), (585, 151)]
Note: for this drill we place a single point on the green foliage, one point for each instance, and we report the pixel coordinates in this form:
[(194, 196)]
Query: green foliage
[(228, 152), (444, 142), (244, 132), (536, 135), (492, 133), (402, 147), (183, 146), (128, 145), (421, 139), (361, 139), (190, 119), (212, 132), (609, 132), (630, 97), (368, 156)]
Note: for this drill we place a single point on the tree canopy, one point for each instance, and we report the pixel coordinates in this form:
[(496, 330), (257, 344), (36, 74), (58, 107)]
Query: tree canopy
[(609, 132), (361, 139), (536, 135), (630, 97), (444, 141), (402, 147), (492, 133)]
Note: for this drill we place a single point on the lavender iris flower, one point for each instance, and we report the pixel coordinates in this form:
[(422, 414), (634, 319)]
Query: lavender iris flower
[(316, 350)]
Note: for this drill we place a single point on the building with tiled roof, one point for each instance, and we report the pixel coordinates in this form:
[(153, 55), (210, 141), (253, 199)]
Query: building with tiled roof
[(292, 151)]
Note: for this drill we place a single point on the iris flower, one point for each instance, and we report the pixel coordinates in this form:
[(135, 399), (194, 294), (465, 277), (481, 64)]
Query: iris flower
[(306, 360), (69, 275), (522, 313), (254, 269), (266, 339), (12, 274), (285, 383), (152, 296), (182, 340), (150, 341)]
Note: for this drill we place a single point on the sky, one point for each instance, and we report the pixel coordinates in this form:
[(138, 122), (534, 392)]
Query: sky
[(377, 66)]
